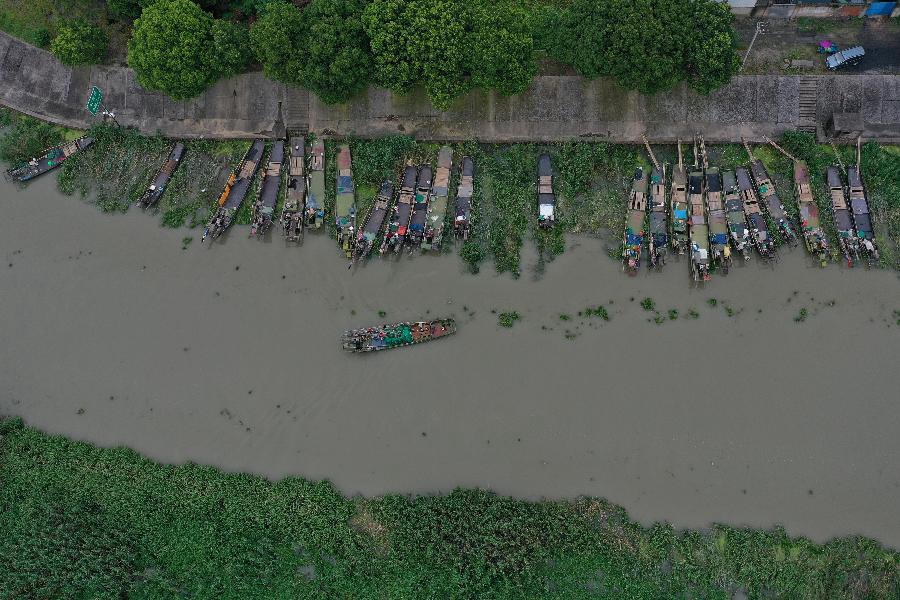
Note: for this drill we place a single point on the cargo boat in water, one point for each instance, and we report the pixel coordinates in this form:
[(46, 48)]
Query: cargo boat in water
[(546, 196), (633, 238), (698, 227), (720, 251), (385, 337), (314, 214), (810, 223), (345, 202), (679, 207), (437, 208), (464, 199), (235, 191), (295, 196), (264, 207), (770, 199), (759, 229), (162, 178), (859, 204), (420, 207), (397, 228), (843, 221), (371, 227), (734, 214), (658, 239), (52, 158)]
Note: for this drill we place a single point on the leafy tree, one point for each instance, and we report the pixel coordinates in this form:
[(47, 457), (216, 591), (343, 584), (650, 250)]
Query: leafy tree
[(79, 42), (173, 49), (391, 39), (232, 47), (711, 57), (502, 50), (275, 41)]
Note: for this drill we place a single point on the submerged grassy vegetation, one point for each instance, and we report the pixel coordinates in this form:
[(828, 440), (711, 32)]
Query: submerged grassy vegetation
[(79, 521)]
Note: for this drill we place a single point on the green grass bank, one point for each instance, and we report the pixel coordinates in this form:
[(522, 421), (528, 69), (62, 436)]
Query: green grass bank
[(78, 521)]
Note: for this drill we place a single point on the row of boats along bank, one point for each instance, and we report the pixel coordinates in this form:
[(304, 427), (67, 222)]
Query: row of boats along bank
[(710, 214), (700, 211)]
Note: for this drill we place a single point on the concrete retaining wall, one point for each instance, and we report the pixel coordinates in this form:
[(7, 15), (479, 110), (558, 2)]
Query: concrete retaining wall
[(553, 108)]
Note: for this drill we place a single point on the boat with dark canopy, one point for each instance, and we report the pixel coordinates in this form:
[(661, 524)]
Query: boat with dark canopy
[(420, 207), (395, 234), (679, 207), (371, 227), (345, 202), (546, 195), (264, 207), (464, 199), (734, 214), (658, 238), (759, 229), (859, 205), (843, 221), (314, 214), (235, 191), (633, 238), (295, 195), (52, 158), (397, 335), (769, 196), (163, 176), (437, 207), (699, 228)]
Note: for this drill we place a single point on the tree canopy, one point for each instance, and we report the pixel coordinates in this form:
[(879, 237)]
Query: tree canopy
[(181, 50), (79, 42), (649, 45)]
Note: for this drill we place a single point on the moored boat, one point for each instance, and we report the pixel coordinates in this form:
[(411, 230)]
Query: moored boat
[(859, 205), (658, 239), (314, 214), (633, 238), (546, 195), (397, 228), (810, 223), (345, 202), (385, 337), (464, 199), (698, 227), (843, 221), (770, 200), (158, 184), (371, 227), (679, 207), (264, 207), (720, 251), (420, 207), (437, 208), (52, 158), (734, 214), (295, 195), (235, 191), (759, 229)]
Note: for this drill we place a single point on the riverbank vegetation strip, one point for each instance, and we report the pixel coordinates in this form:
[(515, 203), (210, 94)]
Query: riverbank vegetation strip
[(82, 521)]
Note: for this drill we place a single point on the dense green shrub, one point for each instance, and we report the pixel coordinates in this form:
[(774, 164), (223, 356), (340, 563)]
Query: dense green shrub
[(78, 42), (26, 139), (179, 49)]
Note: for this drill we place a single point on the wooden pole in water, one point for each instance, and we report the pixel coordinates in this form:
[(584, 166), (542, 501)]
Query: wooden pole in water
[(680, 161), (780, 149), (859, 154)]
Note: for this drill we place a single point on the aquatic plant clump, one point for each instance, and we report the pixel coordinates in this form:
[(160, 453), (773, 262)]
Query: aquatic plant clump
[(508, 319), (80, 521)]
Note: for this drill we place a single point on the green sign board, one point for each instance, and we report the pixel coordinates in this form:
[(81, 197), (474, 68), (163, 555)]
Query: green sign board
[(94, 100)]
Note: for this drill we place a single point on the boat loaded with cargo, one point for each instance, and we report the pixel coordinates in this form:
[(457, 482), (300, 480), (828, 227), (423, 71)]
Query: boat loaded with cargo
[(859, 204), (546, 196), (464, 199), (420, 207), (374, 221), (264, 207), (385, 337), (633, 238), (679, 206), (843, 221), (658, 239), (314, 214), (163, 176), (295, 195), (235, 191), (698, 227), (810, 223), (437, 208), (52, 158), (345, 202), (734, 214), (759, 229), (395, 235), (769, 196)]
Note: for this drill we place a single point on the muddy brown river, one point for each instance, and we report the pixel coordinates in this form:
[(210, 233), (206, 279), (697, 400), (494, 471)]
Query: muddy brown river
[(227, 354)]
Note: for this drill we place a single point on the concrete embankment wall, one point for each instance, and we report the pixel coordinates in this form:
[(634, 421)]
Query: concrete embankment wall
[(553, 108)]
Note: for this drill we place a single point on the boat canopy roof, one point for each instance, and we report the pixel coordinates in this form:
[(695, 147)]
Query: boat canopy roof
[(545, 167)]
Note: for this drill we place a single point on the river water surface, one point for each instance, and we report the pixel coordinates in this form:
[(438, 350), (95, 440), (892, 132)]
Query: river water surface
[(227, 354)]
